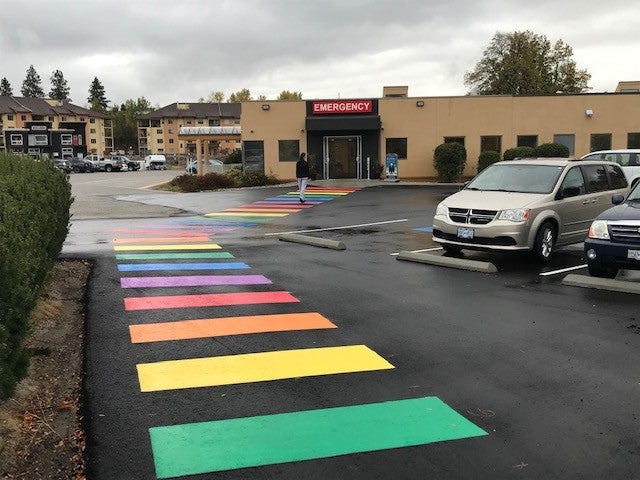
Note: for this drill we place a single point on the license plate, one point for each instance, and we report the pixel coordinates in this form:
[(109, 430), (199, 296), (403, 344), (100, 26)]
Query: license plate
[(633, 254), (465, 232)]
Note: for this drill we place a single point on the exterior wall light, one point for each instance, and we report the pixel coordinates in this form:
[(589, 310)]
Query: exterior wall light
[(420, 103), (266, 107), (588, 113)]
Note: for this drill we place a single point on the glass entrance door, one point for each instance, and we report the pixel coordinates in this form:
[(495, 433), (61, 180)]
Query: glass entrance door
[(342, 156)]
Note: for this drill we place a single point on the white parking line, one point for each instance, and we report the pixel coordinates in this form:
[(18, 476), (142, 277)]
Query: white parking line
[(339, 228), (555, 272), (420, 251)]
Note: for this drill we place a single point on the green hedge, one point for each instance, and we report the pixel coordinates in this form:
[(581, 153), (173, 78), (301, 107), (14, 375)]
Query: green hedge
[(519, 152), (34, 220), (215, 181), (450, 160), (487, 158), (552, 150)]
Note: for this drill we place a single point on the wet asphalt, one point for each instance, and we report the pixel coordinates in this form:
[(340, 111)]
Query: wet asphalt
[(550, 372)]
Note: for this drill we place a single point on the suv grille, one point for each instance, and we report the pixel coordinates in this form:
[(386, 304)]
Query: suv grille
[(471, 216), (625, 233)]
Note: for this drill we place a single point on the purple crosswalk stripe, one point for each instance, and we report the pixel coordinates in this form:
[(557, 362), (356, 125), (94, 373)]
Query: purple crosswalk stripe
[(193, 281)]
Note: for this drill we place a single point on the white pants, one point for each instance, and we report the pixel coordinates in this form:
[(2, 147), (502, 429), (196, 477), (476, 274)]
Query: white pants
[(302, 185)]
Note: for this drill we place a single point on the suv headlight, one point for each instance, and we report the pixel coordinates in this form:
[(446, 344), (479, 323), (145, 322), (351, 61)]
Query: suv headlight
[(515, 215), (442, 210), (599, 229)]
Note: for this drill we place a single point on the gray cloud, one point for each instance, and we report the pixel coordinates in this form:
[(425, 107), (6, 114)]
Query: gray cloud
[(170, 51)]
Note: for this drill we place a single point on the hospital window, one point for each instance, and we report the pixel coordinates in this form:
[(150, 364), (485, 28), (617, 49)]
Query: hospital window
[(566, 139), (397, 146), (527, 141), (600, 141), (459, 140), (288, 150), (633, 140), (491, 143)]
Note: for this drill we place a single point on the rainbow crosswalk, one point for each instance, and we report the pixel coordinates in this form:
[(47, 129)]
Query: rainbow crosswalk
[(277, 207), (176, 255)]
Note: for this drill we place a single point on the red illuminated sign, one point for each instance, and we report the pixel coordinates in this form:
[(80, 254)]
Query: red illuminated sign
[(342, 107)]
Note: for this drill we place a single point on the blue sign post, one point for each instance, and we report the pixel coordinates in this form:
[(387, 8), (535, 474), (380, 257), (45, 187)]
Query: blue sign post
[(391, 168)]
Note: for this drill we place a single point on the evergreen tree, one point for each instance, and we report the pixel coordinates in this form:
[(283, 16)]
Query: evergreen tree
[(97, 98), (59, 87), (5, 88), (32, 84)]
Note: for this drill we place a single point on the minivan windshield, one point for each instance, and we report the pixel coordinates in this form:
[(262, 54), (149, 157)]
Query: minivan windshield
[(634, 196), (517, 178)]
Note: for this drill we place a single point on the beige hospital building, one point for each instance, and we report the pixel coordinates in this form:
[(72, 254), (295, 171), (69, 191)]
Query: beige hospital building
[(344, 137)]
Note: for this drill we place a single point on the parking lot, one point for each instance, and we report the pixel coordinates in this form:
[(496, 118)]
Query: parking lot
[(547, 372)]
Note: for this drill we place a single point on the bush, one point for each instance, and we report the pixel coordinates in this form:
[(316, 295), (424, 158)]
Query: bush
[(487, 158), (519, 152), (198, 183), (552, 150), (233, 157), (34, 220), (450, 160), (215, 181), (376, 170)]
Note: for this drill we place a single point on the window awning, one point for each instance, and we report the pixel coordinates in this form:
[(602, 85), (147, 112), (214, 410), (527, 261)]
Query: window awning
[(343, 123)]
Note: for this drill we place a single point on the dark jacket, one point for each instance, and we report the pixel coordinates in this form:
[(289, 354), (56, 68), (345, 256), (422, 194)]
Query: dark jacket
[(302, 169)]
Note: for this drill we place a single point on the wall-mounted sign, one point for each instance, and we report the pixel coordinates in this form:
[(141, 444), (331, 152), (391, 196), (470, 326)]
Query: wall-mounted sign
[(342, 107), (38, 127)]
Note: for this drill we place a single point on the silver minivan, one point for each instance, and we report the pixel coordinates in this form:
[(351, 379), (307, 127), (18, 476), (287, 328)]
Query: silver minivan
[(531, 204), (628, 159)]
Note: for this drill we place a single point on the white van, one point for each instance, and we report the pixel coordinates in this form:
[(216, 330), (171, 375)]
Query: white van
[(155, 162), (628, 159)]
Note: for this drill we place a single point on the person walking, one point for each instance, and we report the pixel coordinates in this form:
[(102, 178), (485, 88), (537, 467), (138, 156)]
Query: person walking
[(302, 175)]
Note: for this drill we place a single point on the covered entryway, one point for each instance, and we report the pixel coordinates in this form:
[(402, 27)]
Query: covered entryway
[(202, 137)]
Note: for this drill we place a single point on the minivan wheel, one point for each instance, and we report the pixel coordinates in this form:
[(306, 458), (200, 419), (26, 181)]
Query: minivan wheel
[(545, 240), (603, 272)]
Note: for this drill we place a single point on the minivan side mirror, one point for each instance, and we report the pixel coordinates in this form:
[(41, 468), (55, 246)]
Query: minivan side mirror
[(570, 192), (617, 199)]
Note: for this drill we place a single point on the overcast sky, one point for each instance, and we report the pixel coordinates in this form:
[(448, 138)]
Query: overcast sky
[(182, 50)]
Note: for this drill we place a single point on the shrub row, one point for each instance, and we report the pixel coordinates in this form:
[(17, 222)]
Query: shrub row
[(215, 181), (34, 220), (451, 158)]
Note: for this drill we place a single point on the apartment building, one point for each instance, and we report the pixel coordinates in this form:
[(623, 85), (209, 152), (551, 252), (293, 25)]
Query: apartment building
[(53, 128), (342, 136), (158, 130)]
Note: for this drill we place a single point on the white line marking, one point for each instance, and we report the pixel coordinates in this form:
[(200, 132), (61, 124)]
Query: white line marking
[(555, 272), (339, 228), (420, 251)]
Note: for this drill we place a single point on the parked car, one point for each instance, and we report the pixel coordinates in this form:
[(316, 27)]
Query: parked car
[(62, 165), (127, 163), (628, 159), (527, 205), (613, 242), (94, 161), (79, 165), (192, 166), (155, 162)]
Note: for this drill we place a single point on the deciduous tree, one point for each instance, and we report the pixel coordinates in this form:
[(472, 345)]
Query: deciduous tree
[(523, 63), (125, 122), (32, 84), (287, 95), (243, 95)]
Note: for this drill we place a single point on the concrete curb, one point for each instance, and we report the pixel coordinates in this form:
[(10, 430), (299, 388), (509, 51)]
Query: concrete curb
[(315, 241), (586, 281), (461, 263)]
